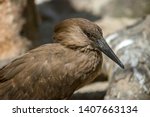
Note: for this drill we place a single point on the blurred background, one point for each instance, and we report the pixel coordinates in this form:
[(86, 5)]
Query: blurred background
[(26, 24)]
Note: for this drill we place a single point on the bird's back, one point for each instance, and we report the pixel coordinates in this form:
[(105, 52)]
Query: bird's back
[(51, 71)]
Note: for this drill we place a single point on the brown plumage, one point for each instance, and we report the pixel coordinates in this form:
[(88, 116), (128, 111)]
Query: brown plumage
[(55, 71)]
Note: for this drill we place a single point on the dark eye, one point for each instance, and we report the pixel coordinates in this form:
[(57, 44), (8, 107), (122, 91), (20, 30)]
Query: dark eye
[(88, 34)]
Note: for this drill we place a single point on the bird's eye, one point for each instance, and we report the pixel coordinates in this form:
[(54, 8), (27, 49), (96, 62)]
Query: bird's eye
[(88, 34)]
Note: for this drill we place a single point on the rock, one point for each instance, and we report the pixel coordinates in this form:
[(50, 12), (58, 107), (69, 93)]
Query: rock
[(90, 6), (132, 47), (128, 8), (12, 44), (113, 24), (93, 91)]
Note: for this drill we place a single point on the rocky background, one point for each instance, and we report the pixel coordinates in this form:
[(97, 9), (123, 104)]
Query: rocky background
[(26, 24)]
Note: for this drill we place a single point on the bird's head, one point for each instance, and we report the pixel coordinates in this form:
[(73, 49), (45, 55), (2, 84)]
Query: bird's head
[(79, 32)]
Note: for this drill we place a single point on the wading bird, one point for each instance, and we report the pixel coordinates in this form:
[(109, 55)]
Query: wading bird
[(55, 71)]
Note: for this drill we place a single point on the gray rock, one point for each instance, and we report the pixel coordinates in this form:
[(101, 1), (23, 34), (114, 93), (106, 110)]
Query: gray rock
[(132, 47)]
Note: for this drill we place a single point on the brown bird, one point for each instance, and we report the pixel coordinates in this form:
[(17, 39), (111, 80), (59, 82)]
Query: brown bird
[(55, 71)]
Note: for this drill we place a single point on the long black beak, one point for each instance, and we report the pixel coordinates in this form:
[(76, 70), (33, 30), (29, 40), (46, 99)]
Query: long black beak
[(104, 47)]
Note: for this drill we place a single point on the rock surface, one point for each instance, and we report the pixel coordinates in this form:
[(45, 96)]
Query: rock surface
[(132, 47), (12, 43)]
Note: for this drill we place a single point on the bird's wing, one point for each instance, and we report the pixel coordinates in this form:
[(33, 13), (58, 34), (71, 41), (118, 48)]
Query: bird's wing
[(31, 76)]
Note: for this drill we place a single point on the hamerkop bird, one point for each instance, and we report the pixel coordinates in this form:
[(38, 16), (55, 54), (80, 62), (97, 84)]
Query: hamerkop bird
[(55, 71)]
